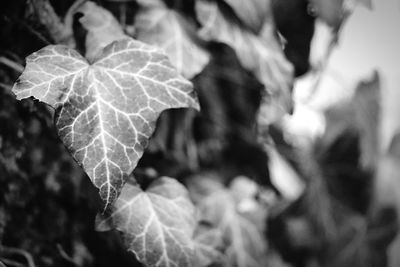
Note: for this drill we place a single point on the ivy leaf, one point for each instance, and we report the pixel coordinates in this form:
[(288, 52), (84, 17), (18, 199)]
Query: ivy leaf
[(251, 12), (208, 244), (261, 54), (157, 224), (245, 245), (105, 111), (225, 216), (167, 29), (102, 28)]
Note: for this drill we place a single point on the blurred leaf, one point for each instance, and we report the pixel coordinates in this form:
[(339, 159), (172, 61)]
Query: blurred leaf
[(251, 12), (102, 28), (161, 26), (151, 3), (231, 222), (366, 104), (60, 32), (244, 244), (157, 224), (203, 185), (105, 112), (261, 55), (284, 176), (351, 4), (208, 244), (360, 114), (243, 188), (331, 12)]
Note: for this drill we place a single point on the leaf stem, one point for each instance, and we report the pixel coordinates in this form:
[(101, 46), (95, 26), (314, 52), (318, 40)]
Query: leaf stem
[(10, 263)]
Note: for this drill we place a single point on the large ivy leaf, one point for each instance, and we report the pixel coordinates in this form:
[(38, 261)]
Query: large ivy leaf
[(261, 55), (157, 224), (251, 12), (105, 111), (161, 26)]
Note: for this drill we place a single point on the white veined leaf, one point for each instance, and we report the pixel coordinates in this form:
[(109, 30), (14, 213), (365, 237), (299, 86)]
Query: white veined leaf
[(157, 224), (105, 111)]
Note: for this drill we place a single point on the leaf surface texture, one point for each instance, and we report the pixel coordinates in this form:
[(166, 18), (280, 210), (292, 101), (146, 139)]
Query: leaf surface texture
[(105, 111), (157, 224)]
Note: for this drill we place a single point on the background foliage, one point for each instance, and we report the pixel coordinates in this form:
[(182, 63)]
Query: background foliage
[(242, 58)]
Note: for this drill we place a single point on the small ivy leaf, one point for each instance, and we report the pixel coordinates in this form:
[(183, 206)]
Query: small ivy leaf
[(102, 28), (105, 112), (261, 55), (251, 12), (245, 245), (157, 224), (167, 29)]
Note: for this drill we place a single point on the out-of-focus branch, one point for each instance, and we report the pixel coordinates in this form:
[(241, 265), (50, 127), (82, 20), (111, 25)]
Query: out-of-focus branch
[(60, 32), (6, 86), (65, 256), (34, 32), (11, 263), (12, 64), (23, 253), (28, 27)]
